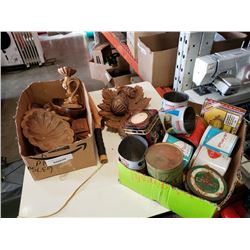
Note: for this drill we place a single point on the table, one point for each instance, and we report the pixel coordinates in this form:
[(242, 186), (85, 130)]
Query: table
[(101, 196)]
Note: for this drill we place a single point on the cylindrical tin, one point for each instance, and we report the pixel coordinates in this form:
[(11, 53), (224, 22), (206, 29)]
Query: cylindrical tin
[(195, 137), (147, 124), (186, 149), (174, 99), (206, 183), (218, 140), (132, 151), (164, 162), (182, 120), (216, 160)]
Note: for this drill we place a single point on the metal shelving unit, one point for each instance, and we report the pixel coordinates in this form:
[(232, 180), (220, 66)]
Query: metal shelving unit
[(124, 51)]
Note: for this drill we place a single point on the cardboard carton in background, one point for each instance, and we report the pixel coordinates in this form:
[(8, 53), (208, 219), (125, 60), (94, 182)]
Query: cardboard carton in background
[(157, 57), (97, 71), (79, 154), (132, 40), (233, 40), (101, 52)]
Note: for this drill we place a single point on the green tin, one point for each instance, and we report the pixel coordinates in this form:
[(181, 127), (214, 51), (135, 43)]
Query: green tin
[(207, 183)]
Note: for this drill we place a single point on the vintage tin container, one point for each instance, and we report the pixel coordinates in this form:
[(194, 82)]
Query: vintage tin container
[(182, 120), (132, 152), (173, 100), (216, 160), (146, 124), (206, 183), (164, 162), (218, 140), (186, 149), (195, 137)]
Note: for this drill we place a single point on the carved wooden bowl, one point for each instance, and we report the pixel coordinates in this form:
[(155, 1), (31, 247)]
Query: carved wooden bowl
[(46, 130), (70, 112)]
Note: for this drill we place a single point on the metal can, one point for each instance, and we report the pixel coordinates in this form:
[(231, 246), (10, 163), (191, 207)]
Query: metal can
[(195, 137), (182, 120), (216, 160), (132, 152), (186, 149), (164, 162), (218, 140), (146, 124), (206, 183), (174, 99)]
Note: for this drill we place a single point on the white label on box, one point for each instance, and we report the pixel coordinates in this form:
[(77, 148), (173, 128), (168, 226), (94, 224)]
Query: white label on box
[(58, 160)]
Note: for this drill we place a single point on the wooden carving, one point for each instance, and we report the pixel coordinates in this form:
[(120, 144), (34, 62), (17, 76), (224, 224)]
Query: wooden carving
[(46, 130), (71, 85), (119, 104)]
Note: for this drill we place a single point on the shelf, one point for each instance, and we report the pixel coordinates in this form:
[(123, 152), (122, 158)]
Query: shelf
[(123, 49)]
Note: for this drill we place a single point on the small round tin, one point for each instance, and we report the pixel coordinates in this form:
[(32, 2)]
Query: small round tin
[(132, 151), (195, 137), (182, 120), (164, 162), (174, 99), (206, 183)]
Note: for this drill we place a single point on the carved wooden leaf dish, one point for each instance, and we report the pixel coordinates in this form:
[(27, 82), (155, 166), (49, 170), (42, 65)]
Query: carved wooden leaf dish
[(136, 103), (46, 130)]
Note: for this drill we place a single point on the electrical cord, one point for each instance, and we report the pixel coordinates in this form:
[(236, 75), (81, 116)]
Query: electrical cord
[(70, 197)]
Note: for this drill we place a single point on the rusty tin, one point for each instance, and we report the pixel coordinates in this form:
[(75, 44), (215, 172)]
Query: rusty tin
[(206, 183), (174, 99), (146, 124), (164, 162)]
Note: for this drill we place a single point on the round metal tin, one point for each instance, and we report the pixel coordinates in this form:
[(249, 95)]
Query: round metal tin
[(164, 162), (206, 183), (174, 99)]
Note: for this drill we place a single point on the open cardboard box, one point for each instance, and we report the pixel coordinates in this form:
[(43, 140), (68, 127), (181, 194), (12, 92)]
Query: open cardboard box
[(177, 200), (77, 155), (157, 58)]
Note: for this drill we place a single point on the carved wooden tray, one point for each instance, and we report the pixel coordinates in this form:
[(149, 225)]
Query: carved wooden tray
[(45, 130)]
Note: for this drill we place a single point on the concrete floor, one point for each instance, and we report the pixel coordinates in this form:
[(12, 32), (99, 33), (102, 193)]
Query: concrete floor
[(70, 49)]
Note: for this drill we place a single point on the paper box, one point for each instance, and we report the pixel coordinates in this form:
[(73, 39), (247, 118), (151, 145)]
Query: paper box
[(157, 57), (97, 71), (177, 200), (118, 77), (101, 52), (132, 40), (77, 155), (233, 40)]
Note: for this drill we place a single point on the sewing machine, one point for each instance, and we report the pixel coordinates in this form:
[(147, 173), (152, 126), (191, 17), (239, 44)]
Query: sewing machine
[(222, 76)]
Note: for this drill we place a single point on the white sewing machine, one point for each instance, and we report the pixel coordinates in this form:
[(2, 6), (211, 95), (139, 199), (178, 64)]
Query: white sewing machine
[(222, 76)]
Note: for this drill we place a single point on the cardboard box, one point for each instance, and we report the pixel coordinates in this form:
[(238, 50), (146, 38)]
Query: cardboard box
[(101, 52), (97, 71), (77, 155), (177, 200), (118, 77), (132, 40), (233, 40), (157, 57)]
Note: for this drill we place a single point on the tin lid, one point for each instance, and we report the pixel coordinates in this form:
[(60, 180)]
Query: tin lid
[(164, 156), (206, 183)]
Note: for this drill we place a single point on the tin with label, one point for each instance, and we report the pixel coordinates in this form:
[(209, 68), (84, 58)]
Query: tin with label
[(132, 152), (206, 183), (218, 140), (195, 137), (186, 149), (182, 120), (216, 160), (173, 100), (146, 124), (164, 163)]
